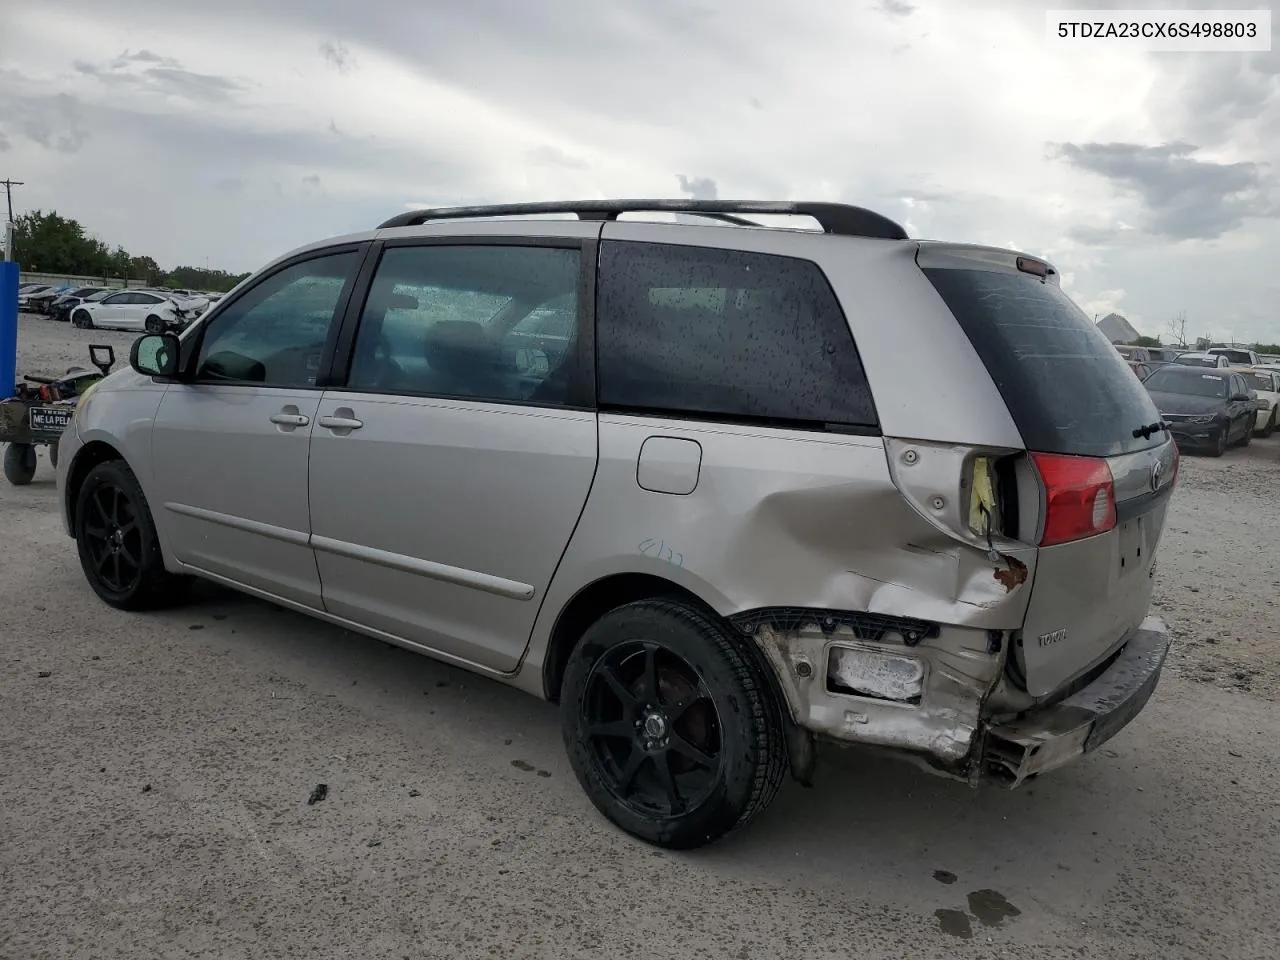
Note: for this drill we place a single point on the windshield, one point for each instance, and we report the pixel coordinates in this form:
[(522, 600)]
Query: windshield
[(1187, 382)]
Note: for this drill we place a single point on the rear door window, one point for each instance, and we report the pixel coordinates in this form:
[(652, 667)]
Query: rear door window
[(728, 335), (1066, 386)]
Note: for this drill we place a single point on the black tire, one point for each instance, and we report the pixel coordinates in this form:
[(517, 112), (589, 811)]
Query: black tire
[(1270, 428), (1246, 438), (19, 463), (82, 320), (53, 454), (1220, 442), (712, 713), (117, 542), (153, 324)]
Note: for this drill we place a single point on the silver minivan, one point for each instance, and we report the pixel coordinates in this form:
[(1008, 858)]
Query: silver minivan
[(723, 490)]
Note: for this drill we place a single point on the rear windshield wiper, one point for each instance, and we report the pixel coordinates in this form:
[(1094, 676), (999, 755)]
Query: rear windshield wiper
[(1145, 432)]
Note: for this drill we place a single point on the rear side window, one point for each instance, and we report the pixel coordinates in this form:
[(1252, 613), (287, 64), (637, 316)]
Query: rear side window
[(725, 334), (1067, 388)]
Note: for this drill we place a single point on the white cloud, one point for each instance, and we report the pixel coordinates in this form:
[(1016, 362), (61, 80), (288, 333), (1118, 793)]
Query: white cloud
[(943, 116)]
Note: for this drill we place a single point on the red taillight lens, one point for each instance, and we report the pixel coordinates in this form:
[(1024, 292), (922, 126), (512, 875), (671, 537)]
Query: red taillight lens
[(1080, 497)]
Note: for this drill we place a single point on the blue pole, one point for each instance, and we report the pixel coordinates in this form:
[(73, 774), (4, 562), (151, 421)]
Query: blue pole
[(8, 328)]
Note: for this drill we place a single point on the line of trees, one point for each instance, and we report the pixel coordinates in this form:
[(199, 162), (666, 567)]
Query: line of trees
[(49, 243)]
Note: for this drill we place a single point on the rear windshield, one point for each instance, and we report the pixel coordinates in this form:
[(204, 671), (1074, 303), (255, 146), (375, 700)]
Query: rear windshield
[(1067, 388), (1261, 381), (1189, 361), (1189, 383), (1234, 356)]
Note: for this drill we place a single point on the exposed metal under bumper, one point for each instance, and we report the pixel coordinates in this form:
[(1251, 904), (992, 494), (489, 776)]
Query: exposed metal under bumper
[(1052, 736)]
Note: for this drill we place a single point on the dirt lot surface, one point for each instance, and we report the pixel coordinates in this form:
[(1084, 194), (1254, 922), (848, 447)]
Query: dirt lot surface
[(155, 772)]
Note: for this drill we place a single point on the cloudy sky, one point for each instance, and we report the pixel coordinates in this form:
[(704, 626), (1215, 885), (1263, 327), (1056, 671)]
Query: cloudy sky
[(230, 132)]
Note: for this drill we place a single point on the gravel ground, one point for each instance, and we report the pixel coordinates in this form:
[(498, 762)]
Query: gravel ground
[(155, 772)]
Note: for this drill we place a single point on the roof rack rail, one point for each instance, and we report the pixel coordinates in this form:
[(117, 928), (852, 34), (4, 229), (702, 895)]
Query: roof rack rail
[(835, 218)]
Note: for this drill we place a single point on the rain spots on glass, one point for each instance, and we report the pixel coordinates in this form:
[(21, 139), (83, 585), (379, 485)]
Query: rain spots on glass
[(1067, 388), (725, 333)]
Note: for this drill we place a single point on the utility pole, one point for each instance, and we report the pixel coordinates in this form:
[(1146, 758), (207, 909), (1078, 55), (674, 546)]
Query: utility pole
[(8, 193)]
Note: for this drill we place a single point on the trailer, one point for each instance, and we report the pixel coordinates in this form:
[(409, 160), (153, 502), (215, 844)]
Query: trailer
[(41, 409)]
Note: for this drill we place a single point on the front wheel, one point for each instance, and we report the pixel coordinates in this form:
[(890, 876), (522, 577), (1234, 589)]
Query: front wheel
[(670, 728), (1220, 442), (153, 324), (19, 463), (118, 544), (82, 319)]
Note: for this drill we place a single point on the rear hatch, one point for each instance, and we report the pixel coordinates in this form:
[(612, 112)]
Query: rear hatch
[(1095, 482)]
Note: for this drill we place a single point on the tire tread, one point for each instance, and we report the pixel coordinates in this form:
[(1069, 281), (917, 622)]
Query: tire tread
[(767, 749)]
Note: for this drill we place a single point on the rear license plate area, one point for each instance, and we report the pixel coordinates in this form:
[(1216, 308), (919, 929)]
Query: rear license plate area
[(1135, 553), (48, 420)]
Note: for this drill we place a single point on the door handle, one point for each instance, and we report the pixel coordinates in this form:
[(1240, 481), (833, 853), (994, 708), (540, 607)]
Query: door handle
[(340, 423), (290, 419)]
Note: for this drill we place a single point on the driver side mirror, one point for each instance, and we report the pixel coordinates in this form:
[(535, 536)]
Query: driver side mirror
[(155, 355), (1240, 397)]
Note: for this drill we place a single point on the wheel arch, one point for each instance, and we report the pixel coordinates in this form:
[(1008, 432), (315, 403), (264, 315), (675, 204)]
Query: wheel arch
[(87, 457), (591, 603)]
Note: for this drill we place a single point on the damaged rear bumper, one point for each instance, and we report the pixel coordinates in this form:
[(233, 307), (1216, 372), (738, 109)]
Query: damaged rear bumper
[(1048, 737)]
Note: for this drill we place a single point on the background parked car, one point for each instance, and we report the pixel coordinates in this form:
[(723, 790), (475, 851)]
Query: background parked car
[(39, 302), (34, 289), (61, 308), (1194, 359), (1266, 384), (1236, 356), (1140, 369), (77, 294), (152, 310), (1133, 353), (1164, 354), (1206, 409)]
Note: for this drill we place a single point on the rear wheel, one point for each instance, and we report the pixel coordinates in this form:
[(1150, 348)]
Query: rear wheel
[(670, 728), (1246, 438), (117, 542), (19, 463), (1270, 428), (82, 319), (53, 454)]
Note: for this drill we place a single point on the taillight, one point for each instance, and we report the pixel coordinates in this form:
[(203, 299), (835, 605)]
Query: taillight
[(1177, 462), (1080, 497)]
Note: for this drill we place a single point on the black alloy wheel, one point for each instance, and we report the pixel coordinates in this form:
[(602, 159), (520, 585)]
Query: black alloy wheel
[(118, 544), (671, 729), (653, 728)]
